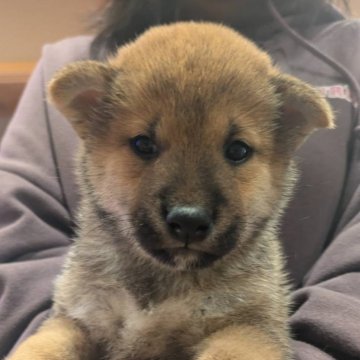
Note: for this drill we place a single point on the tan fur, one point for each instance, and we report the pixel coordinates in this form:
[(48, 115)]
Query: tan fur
[(189, 85), (239, 342), (57, 339)]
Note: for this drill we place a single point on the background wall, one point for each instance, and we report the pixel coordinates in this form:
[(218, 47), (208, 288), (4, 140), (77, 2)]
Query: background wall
[(27, 24), (355, 4)]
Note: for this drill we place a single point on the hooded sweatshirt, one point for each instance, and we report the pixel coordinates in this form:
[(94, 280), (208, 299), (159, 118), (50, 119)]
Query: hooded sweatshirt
[(320, 230)]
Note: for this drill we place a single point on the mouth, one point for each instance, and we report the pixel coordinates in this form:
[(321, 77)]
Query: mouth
[(184, 257)]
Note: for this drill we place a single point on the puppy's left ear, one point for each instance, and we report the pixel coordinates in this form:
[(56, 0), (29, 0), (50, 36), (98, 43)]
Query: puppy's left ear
[(78, 91), (302, 110)]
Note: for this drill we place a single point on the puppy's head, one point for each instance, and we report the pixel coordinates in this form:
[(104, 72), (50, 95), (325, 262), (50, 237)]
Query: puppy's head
[(189, 134)]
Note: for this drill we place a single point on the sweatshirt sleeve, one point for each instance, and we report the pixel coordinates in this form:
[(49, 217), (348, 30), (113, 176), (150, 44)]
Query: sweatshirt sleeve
[(35, 225), (326, 321)]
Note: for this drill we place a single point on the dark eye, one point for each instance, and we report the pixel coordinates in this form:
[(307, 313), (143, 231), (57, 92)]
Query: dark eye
[(238, 152), (144, 147)]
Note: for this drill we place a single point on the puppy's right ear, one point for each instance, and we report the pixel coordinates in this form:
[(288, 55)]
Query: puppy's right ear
[(303, 110), (78, 90)]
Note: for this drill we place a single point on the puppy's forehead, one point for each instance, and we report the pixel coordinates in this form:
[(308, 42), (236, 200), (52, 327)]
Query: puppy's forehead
[(193, 71), (193, 58), (179, 45)]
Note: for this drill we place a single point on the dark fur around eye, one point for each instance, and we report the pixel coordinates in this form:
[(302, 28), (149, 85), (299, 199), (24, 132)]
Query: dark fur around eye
[(144, 147)]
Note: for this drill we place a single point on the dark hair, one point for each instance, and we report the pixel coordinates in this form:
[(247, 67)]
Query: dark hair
[(120, 21)]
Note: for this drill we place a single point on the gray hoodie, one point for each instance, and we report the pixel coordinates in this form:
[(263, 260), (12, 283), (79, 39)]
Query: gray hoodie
[(320, 232)]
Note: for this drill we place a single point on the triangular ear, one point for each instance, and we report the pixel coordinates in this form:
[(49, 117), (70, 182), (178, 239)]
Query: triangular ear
[(78, 91), (303, 109)]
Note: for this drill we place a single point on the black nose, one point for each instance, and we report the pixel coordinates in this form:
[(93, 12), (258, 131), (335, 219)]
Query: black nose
[(189, 224)]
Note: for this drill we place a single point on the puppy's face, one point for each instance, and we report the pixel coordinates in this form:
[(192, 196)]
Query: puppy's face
[(193, 177), (189, 134)]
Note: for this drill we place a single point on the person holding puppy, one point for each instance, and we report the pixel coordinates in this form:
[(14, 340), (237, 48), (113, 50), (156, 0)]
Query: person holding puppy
[(320, 229)]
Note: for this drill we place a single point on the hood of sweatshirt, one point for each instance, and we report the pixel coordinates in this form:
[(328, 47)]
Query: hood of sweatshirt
[(301, 16)]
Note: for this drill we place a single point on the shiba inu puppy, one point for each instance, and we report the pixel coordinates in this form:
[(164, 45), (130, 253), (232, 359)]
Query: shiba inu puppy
[(188, 135)]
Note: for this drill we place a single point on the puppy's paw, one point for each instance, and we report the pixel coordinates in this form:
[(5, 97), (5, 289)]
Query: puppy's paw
[(248, 354), (34, 349), (57, 339), (33, 352), (240, 343)]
